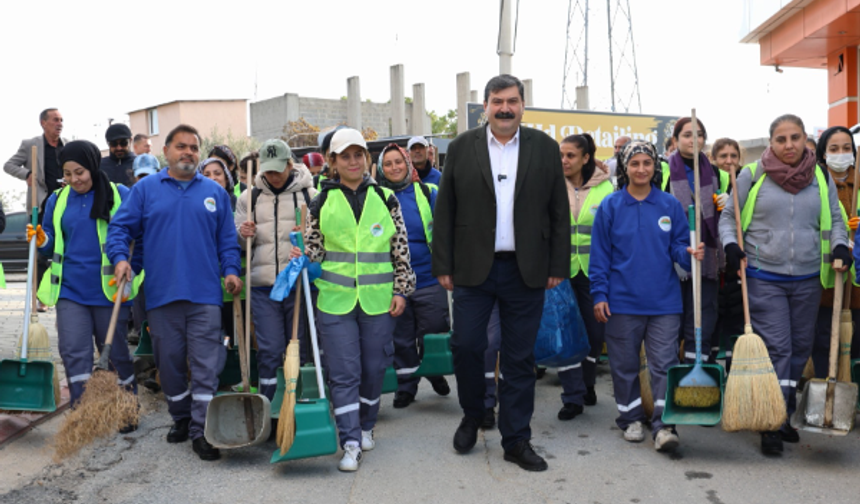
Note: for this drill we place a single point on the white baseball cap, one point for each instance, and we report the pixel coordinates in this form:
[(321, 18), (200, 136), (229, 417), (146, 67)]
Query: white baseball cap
[(344, 138), (417, 140)]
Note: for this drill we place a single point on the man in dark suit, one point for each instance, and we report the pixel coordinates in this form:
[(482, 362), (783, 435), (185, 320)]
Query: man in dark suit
[(501, 232)]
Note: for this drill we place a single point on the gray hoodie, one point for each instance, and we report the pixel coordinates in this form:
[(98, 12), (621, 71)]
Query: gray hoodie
[(783, 236)]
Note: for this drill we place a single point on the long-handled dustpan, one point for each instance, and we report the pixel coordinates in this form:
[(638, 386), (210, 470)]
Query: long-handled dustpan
[(437, 359), (828, 406), (28, 385), (235, 420), (315, 431)]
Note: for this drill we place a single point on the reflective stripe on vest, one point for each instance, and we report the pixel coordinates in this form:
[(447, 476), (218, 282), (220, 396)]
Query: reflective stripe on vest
[(49, 287), (357, 267), (827, 275), (580, 229), (425, 211)]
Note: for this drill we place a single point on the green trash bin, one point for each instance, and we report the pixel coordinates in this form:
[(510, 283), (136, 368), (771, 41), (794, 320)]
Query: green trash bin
[(679, 415)]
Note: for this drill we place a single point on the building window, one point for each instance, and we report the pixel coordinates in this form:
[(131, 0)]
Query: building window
[(152, 116)]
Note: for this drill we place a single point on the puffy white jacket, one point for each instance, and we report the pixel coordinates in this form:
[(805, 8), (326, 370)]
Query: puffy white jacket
[(275, 216)]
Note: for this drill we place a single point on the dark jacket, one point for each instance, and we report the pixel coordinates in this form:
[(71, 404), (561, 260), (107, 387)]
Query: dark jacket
[(119, 171), (464, 225)]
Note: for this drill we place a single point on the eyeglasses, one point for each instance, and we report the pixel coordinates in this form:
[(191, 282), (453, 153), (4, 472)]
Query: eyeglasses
[(118, 143)]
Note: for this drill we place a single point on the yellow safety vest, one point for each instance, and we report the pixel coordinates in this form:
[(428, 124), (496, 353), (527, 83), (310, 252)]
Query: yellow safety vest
[(828, 276), (357, 267), (580, 228), (49, 287)]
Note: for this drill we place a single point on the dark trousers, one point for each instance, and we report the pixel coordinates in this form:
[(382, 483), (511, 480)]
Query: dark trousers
[(426, 313), (520, 310)]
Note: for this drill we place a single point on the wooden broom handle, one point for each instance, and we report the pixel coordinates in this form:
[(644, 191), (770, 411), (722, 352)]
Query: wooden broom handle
[(297, 303), (249, 188), (117, 303), (846, 301), (740, 237), (838, 289)]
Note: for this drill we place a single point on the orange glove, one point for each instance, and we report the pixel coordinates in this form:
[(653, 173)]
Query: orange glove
[(720, 201), (126, 292), (853, 222), (38, 233)]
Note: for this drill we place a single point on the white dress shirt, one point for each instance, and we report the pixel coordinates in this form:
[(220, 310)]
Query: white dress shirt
[(503, 164)]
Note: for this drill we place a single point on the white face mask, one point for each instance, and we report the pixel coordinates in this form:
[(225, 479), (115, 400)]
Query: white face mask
[(840, 162)]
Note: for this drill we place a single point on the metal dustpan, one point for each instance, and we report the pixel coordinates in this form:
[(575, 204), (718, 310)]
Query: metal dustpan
[(315, 432), (27, 385), (438, 359), (238, 419), (828, 406)]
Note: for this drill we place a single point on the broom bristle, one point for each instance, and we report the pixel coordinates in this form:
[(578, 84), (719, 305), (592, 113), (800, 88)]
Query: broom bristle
[(696, 397), (645, 385), (104, 408), (287, 420), (753, 399), (808, 370), (846, 333)]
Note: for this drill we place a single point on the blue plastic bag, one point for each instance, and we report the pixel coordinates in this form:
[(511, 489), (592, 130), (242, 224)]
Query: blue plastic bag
[(289, 276), (562, 339)]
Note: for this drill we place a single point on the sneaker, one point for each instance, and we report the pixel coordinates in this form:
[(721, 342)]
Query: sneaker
[(590, 396), (351, 458), (666, 440), (634, 433), (771, 443), (569, 411), (489, 420), (367, 442)]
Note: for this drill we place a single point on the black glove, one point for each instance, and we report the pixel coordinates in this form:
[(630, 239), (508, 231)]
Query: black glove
[(842, 252), (734, 254)]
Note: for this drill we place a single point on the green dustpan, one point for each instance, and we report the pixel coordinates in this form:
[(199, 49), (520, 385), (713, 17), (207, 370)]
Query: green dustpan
[(27, 385), (315, 431), (144, 346), (679, 415), (306, 388), (232, 373), (389, 381), (438, 359)]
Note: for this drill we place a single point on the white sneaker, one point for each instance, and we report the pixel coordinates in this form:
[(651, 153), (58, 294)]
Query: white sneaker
[(351, 458), (367, 442), (634, 433), (666, 440)]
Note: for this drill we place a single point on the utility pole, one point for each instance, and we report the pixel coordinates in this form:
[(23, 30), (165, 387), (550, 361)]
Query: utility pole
[(507, 37)]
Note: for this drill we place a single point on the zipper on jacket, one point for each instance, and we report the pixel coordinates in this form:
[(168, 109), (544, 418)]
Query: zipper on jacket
[(277, 261)]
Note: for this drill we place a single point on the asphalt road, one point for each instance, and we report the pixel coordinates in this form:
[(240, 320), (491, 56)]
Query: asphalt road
[(414, 462)]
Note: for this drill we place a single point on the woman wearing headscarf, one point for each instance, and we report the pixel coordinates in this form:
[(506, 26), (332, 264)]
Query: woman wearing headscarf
[(427, 308), (836, 152), (80, 281), (225, 154), (216, 169), (793, 230), (639, 233), (681, 180)]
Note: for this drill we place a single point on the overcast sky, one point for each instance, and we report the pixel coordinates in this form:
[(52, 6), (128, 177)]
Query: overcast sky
[(99, 60)]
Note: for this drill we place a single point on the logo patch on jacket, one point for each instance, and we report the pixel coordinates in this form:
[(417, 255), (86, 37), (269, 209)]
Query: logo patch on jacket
[(593, 209), (665, 223), (376, 229), (209, 203)]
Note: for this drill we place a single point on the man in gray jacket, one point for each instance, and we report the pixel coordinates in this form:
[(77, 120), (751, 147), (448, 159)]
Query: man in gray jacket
[(48, 170)]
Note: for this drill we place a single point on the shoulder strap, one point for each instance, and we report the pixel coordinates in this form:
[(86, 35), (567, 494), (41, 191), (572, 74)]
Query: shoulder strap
[(255, 193), (425, 189), (382, 196)]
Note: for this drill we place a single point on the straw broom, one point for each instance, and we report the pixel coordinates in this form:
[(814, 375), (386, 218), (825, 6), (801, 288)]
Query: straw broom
[(753, 398), (645, 384), (105, 407), (287, 419)]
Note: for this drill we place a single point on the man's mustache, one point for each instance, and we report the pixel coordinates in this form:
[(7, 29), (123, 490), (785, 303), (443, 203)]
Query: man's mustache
[(505, 115)]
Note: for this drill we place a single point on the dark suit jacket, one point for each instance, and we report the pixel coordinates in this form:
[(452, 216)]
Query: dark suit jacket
[(464, 224)]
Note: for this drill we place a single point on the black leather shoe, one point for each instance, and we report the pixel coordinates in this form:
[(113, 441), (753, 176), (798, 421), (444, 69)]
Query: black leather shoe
[(771, 443), (590, 397), (204, 450), (569, 411), (179, 432), (467, 434), (540, 372), (403, 399), (789, 435), (523, 455), (489, 419), (440, 386)]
